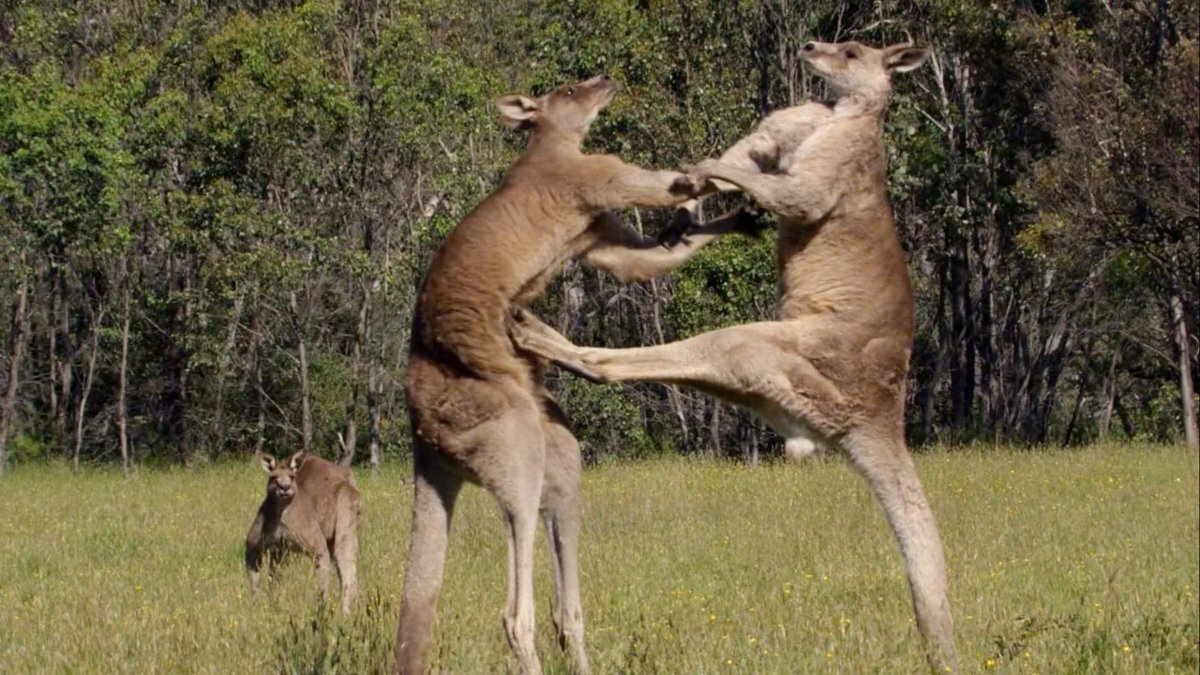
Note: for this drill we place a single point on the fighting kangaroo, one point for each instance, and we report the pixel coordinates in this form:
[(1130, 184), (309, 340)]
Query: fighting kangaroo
[(478, 410), (831, 371)]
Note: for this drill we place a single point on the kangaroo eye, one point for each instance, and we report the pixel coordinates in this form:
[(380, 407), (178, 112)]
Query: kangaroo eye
[(570, 91), (850, 54)]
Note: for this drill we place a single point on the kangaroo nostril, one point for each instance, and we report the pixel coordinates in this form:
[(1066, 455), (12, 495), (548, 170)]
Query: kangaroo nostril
[(809, 46)]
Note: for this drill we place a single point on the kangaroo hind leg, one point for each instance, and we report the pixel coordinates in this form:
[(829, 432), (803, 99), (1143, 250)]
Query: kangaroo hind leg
[(345, 545), (883, 459), (560, 506), (435, 490), (509, 459)]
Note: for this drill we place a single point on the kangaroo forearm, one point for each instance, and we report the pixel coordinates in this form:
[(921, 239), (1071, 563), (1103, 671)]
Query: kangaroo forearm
[(254, 541), (649, 261), (654, 189), (755, 153), (254, 555), (629, 256), (633, 186), (787, 196), (769, 191)]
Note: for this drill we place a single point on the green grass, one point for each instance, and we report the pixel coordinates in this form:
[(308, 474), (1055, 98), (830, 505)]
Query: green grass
[(1073, 561)]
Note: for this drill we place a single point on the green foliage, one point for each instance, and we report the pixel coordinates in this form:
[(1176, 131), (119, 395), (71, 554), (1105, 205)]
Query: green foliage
[(726, 284), (208, 162), (25, 448), (608, 420)]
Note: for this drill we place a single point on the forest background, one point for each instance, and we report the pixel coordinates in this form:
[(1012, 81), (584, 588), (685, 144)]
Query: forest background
[(214, 216)]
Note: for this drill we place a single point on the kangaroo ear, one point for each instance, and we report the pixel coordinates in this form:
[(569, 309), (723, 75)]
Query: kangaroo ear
[(296, 460), (517, 111), (267, 462), (902, 58)]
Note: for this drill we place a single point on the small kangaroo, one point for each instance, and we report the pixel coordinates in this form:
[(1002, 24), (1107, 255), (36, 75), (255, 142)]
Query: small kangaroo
[(831, 371), (478, 410), (314, 506)]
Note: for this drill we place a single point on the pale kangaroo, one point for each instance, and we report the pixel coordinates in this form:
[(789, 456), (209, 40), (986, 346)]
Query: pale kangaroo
[(831, 370), (478, 410), (312, 505)]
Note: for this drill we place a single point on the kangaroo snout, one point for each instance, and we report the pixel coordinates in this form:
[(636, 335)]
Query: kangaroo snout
[(602, 80), (604, 83)]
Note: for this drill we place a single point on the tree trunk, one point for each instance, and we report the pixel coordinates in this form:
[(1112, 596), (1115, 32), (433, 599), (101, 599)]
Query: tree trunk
[(260, 398), (1123, 415), (1085, 383), (927, 391), (714, 430), (218, 433), (1110, 395), (1080, 395), (52, 345), (123, 377), (674, 397), (16, 344), (65, 369), (1179, 332), (987, 256), (373, 418), (1055, 357), (177, 394), (349, 440), (87, 389), (962, 349), (302, 357)]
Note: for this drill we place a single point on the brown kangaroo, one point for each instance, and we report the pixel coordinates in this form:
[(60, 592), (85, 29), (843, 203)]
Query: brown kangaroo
[(478, 410), (831, 370), (312, 505)]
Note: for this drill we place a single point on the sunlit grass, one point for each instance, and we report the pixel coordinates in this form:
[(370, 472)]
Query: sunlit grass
[(1066, 561)]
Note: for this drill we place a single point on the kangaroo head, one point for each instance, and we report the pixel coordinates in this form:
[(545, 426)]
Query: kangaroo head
[(568, 109), (856, 69), (281, 478)]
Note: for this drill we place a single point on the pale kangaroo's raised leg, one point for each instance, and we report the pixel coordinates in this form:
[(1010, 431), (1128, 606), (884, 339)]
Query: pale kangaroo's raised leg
[(561, 505), (883, 459), (747, 364), (435, 490)]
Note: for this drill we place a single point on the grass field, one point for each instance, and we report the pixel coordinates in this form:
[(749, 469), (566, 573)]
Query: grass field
[(1071, 561)]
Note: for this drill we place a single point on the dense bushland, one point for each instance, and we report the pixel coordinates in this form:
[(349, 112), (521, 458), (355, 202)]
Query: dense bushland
[(214, 215)]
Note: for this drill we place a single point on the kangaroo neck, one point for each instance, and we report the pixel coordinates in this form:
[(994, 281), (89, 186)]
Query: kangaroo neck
[(552, 139), (859, 105)]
